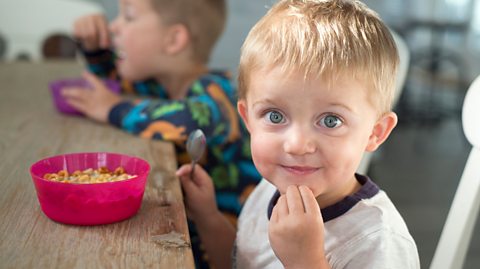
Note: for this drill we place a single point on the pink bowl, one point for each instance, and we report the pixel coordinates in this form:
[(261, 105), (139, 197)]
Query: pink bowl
[(94, 203), (60, 102)]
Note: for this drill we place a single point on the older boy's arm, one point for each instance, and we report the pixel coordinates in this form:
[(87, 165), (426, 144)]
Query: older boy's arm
[(170, 120), (93, 40), (101, 62)]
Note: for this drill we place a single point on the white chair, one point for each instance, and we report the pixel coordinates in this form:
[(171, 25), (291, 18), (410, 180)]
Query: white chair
[(26, 24), (404, 55), (457, 232)]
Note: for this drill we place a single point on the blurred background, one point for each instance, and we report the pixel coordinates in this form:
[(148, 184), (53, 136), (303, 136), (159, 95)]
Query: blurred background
[(421, 163)]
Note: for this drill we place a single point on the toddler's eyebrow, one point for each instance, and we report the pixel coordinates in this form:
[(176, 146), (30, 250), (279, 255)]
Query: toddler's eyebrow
[(263, 102), (270, 102), (341, 105)]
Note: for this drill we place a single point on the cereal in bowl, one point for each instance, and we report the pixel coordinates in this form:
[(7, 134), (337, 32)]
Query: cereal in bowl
[(100, 175)]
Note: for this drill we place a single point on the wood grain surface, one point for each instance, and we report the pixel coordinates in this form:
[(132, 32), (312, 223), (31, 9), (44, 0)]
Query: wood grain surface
[(31, 129)]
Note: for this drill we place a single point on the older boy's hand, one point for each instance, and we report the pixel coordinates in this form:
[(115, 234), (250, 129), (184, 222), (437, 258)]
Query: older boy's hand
[(96, 102), (92, 31), (296, 230), (199, 193)]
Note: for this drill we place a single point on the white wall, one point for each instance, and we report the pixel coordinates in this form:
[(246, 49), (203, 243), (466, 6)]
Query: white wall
[(242, 15)]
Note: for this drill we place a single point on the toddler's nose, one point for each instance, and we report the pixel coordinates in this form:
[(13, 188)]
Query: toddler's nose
[(300, 142)]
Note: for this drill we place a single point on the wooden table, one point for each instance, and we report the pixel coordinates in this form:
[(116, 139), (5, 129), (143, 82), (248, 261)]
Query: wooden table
[(31, 129)]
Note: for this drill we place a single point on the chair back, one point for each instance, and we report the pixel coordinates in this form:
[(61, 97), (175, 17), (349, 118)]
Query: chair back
[(471, 113), (457, 231)]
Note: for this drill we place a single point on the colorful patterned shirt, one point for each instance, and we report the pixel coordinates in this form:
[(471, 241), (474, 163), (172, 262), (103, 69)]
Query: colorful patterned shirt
[(209, 106)]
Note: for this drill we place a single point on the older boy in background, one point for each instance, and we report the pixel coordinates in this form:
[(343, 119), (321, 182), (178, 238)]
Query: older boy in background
[(161, 52)]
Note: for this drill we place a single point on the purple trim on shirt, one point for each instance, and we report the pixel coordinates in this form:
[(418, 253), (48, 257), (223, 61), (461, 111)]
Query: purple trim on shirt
[(368, 190)]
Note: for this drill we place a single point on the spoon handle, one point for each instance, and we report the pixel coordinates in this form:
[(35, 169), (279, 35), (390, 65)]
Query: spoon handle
[(193, 170)]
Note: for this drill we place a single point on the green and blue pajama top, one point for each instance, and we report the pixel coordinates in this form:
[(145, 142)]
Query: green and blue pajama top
[(210, 105)]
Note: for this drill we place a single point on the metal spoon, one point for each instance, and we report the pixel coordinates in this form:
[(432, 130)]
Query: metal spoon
[(196, 143)]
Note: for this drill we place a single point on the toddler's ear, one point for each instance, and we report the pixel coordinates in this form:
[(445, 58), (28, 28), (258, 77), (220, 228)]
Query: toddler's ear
[(177, 38), (243, 111), (381, 130)]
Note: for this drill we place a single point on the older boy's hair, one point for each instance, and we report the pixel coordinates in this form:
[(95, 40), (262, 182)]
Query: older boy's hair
[(324, 38), (205, 20)]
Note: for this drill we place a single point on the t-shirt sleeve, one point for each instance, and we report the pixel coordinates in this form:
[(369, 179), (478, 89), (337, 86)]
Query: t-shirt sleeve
[(381, 249)]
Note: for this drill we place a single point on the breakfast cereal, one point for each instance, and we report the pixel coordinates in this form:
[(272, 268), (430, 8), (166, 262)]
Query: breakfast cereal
[(90, 175)]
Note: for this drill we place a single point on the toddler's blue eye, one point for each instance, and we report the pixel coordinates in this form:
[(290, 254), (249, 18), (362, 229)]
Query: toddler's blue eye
[(331, 121), (275, 116)]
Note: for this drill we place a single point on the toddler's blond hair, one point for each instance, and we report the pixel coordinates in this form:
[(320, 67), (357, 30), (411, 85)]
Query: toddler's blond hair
[(330, 39), (205, 20)]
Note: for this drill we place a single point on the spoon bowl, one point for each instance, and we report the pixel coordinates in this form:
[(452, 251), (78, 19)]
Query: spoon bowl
[(196, 144)]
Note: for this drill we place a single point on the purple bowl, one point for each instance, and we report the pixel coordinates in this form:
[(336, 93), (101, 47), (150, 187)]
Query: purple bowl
[(60, 102)]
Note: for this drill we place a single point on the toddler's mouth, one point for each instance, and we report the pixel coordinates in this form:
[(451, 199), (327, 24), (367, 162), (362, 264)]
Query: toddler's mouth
[(300, 170)]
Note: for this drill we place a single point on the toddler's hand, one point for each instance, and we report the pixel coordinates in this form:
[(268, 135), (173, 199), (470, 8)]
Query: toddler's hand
[(198, 191), (92, 31), (96, 102), (296, 230)]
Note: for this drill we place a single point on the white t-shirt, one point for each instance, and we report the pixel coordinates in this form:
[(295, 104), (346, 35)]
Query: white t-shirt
[(364, 230)]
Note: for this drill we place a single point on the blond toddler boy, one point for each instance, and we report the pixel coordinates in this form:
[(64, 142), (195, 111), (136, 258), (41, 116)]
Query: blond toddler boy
[(316, 82)]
